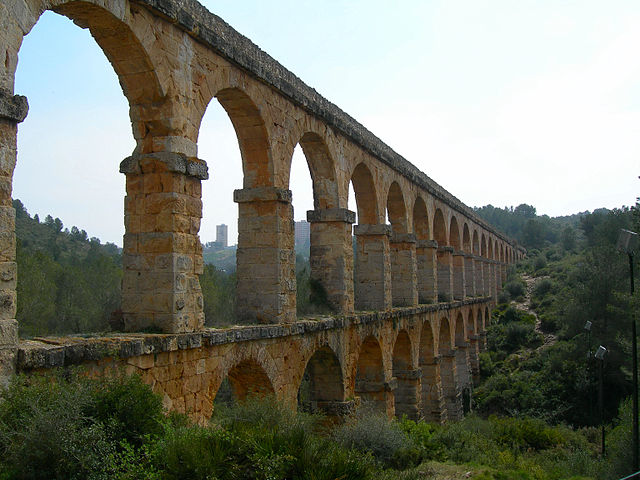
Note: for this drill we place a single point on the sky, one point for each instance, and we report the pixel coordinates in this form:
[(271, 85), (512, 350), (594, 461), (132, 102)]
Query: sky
[(501, 102)]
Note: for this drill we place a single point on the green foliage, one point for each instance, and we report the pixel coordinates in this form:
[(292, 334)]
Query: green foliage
[(66, 426), (67, 283), (311, 297), (620, 455), (218, 292), (70, 427), (516, 288), (371, 432), (128, 408)]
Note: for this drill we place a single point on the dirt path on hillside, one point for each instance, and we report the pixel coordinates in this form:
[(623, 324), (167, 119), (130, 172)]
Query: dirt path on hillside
[(549, 338)]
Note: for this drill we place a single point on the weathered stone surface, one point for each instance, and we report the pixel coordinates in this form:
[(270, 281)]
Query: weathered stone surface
[(172, 58), (331, 215), (13, 107)]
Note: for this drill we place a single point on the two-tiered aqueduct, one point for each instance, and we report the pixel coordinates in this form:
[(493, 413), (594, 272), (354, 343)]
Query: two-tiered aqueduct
[(406, 333)]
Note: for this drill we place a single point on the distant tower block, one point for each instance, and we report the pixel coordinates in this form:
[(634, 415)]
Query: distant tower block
[(302, 233), (222, 235)]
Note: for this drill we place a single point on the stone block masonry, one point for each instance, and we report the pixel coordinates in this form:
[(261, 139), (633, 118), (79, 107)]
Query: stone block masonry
[(172, 58), (388, 359)]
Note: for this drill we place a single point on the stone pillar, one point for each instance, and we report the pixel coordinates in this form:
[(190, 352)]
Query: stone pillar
[(427, 271), (463, 370), (482, 340), (479, 282), (497, 285), (404, 275), (445, 280), (488, 283), (162, 254), (407, 394), (474, 358), (469, 275), (373, 269), (457, 261), (13, 110), (503, 272), (378, 395), (331, 255), (266, 260), (450, 387), (434, 408)]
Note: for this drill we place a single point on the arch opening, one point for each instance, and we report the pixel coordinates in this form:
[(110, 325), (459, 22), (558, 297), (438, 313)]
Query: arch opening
[(370, 383), (322, 386), (432, 399), (107, 74), (407, 393), (245, 380), (322, 231), (372, 272), (448, 372), (402, 250), (463, 364)]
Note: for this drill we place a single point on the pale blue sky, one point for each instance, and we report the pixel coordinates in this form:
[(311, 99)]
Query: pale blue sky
[(501, 102)]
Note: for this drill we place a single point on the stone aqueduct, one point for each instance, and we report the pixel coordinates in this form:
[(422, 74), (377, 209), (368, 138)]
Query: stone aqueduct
[(410, 305)]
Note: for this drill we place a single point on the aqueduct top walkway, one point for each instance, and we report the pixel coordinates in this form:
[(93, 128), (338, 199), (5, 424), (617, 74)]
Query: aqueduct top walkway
[(435, 264)]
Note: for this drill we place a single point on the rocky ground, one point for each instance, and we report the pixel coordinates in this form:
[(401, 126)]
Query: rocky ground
[(525, 305)]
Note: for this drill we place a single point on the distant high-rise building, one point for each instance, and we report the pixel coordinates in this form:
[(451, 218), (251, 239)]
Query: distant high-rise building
[(303, 233), (222, 235)]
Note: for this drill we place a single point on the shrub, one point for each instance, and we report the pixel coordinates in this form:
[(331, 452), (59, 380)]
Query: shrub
[(516, 288), (504, 297), (277, 442), (62, 427), (129, 408), (539, 263), (549, 324), (194, 452), (542, 287), (368, 431)]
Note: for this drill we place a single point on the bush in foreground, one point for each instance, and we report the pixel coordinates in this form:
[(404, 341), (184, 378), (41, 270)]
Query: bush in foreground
[(70, 427)]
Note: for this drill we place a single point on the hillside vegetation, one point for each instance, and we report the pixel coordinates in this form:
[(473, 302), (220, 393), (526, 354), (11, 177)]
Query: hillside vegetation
[(535, 410)]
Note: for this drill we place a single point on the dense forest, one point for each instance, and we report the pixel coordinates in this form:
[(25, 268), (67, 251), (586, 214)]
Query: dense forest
[(67, 282)]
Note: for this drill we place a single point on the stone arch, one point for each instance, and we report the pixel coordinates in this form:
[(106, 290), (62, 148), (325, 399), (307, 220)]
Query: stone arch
[(370, 382), (448, 372), (322, 169), (366, 197), (474, 352), (426, 270), (420, 220), (115, 30), (454, 234), (484, 247), (475, 243), (439, 228), (466, 239), (469, 267), (457, 260), (396, 209), (406, 395), (322, 385), (245, 379), (472, 323), (127, 55), (402, 251), (253, 138), (432, 400), (463, 363)]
